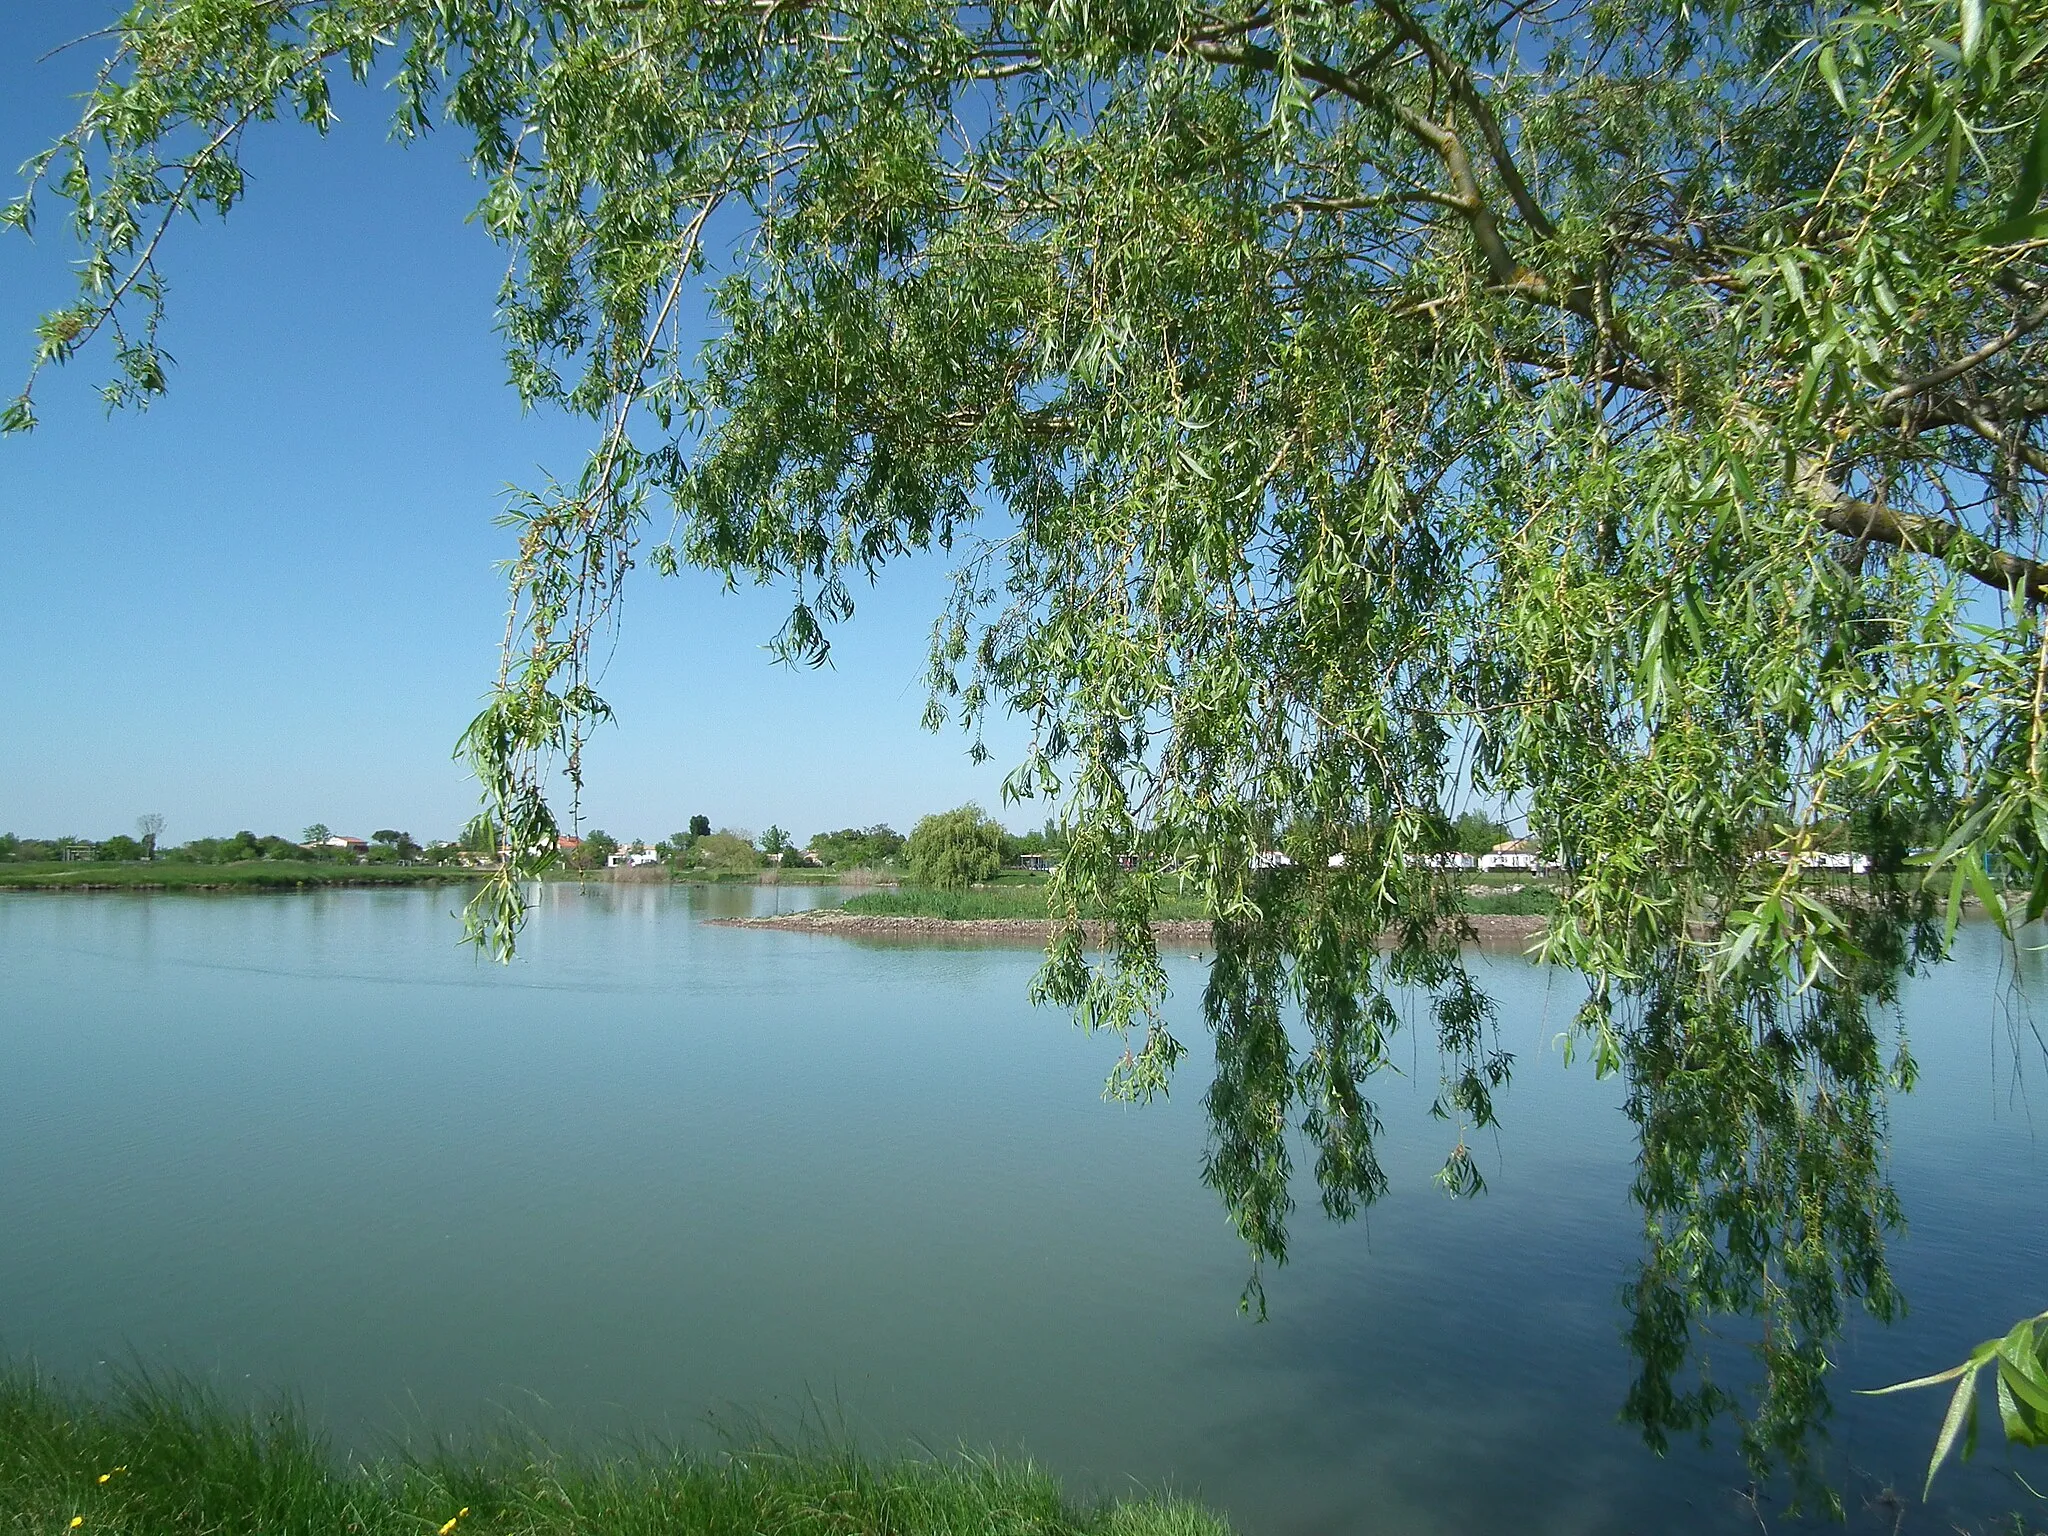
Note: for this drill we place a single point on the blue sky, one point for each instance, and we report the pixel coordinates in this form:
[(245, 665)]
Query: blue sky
[(271, 599)]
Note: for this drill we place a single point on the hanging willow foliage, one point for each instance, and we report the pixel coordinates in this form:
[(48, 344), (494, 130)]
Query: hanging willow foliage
[(1629, 412)]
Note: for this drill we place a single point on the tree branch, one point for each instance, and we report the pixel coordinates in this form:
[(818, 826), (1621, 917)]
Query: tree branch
[(1470, 97), (2025, 326), (1470, 201), (1957, 547), (1960, 413)]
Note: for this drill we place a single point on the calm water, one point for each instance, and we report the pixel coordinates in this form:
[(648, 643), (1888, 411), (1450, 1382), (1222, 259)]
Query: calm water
[(658, 1178)]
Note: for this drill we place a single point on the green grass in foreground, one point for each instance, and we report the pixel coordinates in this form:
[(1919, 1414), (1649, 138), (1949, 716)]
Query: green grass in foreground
[(250, 875), (167, 1460)]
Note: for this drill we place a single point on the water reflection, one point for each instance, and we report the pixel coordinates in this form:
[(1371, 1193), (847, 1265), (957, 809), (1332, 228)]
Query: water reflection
[(1760, 1112)]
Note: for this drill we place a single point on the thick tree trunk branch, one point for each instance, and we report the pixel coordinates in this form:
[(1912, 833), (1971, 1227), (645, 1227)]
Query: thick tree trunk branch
[(1852, 517)]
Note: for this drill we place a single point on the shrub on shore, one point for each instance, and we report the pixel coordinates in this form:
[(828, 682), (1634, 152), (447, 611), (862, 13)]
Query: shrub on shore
[(169, 1461)]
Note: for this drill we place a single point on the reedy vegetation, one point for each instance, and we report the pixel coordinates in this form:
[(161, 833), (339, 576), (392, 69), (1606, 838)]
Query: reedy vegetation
[(163, 1460), (1631, 411)]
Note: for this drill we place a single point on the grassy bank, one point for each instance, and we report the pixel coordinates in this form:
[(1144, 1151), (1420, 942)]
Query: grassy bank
[(158, 1462), (1529, 901), (253, 875), (995, 901), (775, 875), (984, 901)]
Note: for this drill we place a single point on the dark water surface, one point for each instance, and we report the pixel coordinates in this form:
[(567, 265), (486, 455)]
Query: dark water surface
[(657, 1177)]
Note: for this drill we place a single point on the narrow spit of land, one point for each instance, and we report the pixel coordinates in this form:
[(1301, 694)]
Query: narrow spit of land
[(160, 1461), (1487, 927), (1017, 913)]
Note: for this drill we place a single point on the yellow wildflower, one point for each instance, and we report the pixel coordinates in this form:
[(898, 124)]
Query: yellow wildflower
[(451, 1524), (77, 1521)]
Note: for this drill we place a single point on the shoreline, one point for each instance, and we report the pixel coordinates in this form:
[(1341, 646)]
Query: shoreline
[(1487, 927), (253, 883)]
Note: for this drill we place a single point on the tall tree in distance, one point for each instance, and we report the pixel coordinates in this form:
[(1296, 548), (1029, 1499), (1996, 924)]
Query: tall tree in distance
[(148, 828), (1639, 403), (955, 849)]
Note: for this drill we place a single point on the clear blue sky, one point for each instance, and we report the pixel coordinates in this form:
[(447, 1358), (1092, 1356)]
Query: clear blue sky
[(270, 599)]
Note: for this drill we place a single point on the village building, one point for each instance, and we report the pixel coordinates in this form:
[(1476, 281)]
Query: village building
[(1519, 853)]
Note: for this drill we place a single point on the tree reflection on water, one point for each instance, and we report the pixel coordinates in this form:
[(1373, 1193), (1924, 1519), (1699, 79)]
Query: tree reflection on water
[(1759, 1108)]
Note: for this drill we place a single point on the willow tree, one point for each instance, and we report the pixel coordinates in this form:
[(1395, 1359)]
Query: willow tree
[(1627, 412)]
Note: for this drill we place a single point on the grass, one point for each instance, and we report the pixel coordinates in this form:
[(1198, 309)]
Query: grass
[(775, 875), (985, 901), (1529, 901), (159, 1460), (249, 875)]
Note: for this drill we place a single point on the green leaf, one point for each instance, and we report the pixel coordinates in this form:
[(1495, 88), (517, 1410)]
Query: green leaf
[(1987, 895), (1973, 28), (1967, 832), (2019, 231), (2023, 1379), (1824, 61), (1927, 133), (2033, 173), (1962, 1406), (2037, 896), (1917, 1382), (1788, 268), (2031, 1399)]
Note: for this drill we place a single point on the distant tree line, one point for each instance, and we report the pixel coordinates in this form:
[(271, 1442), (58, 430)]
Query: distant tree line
[(951, 848), (385, 846), (959, 846)]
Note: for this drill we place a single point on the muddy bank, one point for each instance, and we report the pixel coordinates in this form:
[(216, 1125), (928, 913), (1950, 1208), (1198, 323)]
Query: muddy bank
[(1487, 927)]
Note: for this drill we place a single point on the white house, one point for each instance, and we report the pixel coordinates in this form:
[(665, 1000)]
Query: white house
[(632, 856), (1517, 853), (1446, 861)]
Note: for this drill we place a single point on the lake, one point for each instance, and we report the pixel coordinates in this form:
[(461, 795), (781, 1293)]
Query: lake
[(663, 1179)]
